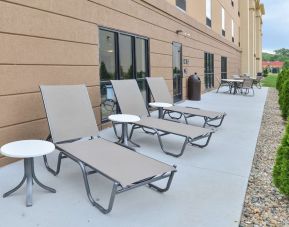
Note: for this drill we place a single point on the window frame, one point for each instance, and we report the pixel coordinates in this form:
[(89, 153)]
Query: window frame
[(180, 8), (209, 13), (209, 70)]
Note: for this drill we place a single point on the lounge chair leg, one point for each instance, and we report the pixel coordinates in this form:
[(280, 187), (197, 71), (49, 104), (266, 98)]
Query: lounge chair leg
[(92, 201), (220, 123), (169, 153), (167, 186), (206, 121), (201, 146), (54, 172)]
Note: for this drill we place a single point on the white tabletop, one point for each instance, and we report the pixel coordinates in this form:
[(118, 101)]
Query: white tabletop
[(125, 118), (160, 104), (27, 148), (233, 80)]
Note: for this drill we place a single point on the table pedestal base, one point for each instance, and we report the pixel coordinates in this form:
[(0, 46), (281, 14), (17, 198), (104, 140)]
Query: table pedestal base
[(29, 176), (124, 139)]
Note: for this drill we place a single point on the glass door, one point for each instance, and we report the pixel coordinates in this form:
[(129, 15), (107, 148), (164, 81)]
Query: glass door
[(223, 68), (177, 72)]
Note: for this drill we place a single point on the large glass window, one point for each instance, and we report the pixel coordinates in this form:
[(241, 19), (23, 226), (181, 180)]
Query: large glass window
[(122, 56), (209, 70), (177, 71), (181, 4), (209, 13), (107, 53), (223, 22), (233, 31), (223, 68)]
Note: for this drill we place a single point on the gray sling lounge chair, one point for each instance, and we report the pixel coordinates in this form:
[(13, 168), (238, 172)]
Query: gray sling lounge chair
[(161, 93), (130, 101), (75, 134)]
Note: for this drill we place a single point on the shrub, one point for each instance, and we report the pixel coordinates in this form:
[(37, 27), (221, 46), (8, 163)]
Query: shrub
[(265, 72), (284, 98), (283, 75), (281, 167)]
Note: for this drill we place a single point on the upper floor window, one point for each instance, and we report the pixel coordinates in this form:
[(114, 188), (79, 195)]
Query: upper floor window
[(232, 3), (223, 22), (233, 31), (181, 4), (209, 13)]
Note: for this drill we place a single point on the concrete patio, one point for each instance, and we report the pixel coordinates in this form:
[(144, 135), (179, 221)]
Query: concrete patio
[(208, 189)]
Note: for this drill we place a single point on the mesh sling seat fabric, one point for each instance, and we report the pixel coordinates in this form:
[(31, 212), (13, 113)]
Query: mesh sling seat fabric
[(160, 93), (130, 101), (74, 132)]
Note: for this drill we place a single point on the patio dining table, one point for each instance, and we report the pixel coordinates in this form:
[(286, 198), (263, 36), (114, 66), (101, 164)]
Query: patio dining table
[(233, 83)]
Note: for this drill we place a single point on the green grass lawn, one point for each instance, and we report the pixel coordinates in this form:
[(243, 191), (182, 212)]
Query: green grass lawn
[(270, 80)]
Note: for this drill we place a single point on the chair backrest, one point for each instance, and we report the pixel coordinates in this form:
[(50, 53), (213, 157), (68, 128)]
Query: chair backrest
[(129, 97), (159, 89), (259, 78), (247, 83), (236, 76), (69, 112)]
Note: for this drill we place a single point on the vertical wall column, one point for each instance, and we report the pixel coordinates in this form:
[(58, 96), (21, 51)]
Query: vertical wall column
[(244, 35), (258, 42), (252, 38)]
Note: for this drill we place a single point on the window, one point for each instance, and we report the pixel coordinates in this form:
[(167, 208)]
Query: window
[(208, 13), (177, 72), (223, 68), (233, 31), (232, 3), (223, 22), (209, 70), (181, 4), (122, 56)]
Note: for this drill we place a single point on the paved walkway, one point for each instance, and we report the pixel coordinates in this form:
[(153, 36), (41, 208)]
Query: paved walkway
[(208, 189)]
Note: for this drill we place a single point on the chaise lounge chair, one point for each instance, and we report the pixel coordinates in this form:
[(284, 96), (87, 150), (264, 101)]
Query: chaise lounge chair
[(130, 101), (161, 93), (75, 134)]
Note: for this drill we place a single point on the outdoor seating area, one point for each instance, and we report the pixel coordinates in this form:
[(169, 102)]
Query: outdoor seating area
[(241, 84), (196, 184)]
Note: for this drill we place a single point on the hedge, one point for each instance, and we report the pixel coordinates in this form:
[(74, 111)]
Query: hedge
[(281, 167)]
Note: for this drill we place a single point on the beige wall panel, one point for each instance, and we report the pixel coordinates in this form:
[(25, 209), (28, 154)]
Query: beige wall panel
[(197, 10), (193, 53), (27, 50), (26, 78), (161, 60), (167, 73), (22, 20), (17, 109), (216, 17), (157, 46), (97, 114), (73, 8), (31, 130)]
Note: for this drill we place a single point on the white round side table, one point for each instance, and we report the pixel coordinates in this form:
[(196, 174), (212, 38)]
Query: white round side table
[(124, 119), (160, 106), (28, 149)]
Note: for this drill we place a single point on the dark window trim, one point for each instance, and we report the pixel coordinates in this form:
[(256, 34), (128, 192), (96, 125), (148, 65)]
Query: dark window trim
[(233, 39), (208, 22), (180, 7), (232, 3), (209, 70), (223, 32), (224, 63)]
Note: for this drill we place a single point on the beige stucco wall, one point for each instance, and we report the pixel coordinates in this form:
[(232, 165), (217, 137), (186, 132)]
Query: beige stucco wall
[(56, 42)]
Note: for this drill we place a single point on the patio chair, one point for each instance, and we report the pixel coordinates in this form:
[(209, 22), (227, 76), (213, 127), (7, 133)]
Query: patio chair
[(223, 84), (75, 134), (161, 93), (246, 86), (130, 101), (257, 81)]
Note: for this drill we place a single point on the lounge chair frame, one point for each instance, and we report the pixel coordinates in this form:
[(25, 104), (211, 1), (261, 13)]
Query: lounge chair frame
[(117, 188), (186, 116), (162, 133)]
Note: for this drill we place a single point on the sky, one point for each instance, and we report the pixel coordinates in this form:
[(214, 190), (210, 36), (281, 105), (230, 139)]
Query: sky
[(275, 25)]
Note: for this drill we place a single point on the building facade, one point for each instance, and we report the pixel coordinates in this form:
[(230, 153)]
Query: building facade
[(92, 41)]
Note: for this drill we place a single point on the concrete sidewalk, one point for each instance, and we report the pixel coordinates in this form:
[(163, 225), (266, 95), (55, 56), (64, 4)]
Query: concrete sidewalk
[(208, 189)]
